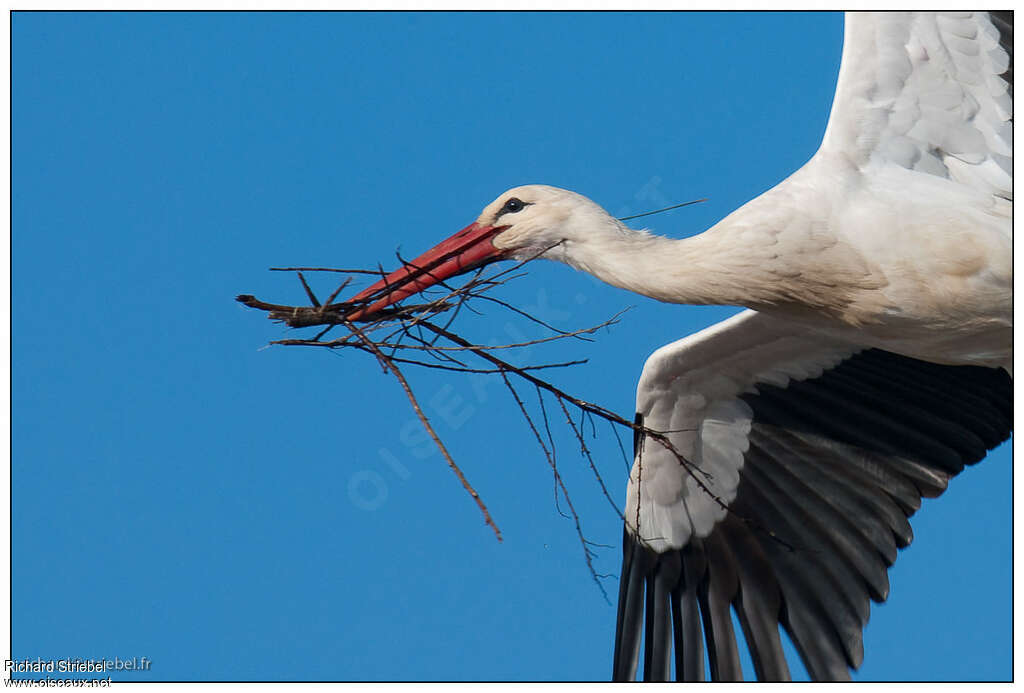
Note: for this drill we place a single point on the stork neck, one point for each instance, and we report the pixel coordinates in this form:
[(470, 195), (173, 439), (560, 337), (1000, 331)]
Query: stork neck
[(692, 270)]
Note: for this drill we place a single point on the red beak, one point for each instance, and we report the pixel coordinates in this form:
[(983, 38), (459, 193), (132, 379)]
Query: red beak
[(469, 249)]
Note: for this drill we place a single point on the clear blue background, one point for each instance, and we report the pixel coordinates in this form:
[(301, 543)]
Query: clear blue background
[(182, 494)]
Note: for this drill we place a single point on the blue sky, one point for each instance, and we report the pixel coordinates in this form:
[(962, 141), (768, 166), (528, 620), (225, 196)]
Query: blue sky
[(233, 512)]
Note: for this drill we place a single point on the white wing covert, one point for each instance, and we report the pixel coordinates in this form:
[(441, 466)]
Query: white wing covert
[(821, 451), (929, 92), (691, 389)]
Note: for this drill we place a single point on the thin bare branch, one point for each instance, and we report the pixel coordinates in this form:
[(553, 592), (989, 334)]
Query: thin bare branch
[(430, 429), (658, 436), (323, 269), (590, 460), (309, 291), (588, 555), (330, 299), (431, 347)]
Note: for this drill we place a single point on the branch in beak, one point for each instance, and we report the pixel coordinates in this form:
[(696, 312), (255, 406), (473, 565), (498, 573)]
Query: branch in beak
[(467, 250)]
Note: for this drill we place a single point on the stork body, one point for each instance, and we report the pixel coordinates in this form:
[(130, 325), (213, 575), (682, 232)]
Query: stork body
[(925, 271), (873, 363)]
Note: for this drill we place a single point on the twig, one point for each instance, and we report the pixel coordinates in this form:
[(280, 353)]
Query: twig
[(586, 453), (429, 346), (658, 436), (588, 555), (322, 269), (309, 292), (430, 430)]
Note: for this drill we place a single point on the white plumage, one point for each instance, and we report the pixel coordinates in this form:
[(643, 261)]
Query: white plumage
[(872, 365), (692, 387)]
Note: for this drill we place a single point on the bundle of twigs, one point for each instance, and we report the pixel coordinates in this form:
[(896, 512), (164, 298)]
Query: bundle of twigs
[(422, 335)]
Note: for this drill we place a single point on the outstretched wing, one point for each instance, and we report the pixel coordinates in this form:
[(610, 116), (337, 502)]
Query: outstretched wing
[(929, 92), (791, 466)]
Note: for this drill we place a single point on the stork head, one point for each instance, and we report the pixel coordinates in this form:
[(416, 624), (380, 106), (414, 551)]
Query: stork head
[(540, 221), (521, 224)]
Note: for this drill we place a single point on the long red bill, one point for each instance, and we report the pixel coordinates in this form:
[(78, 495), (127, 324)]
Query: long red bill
[(468, 249)]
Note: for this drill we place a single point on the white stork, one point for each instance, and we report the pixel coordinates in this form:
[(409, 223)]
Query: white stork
[(873, 363)]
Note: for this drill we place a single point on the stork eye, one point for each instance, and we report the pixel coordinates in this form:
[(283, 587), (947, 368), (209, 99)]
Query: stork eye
[(513, 205)]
